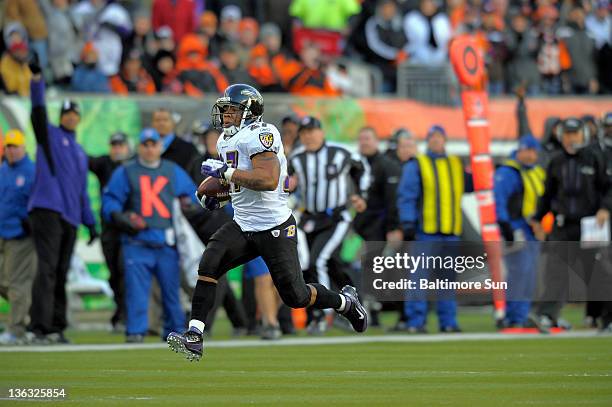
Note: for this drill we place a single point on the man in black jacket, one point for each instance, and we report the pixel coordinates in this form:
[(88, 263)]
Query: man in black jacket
[(103, 167), (174, 148), (576, 187), (379, 222)]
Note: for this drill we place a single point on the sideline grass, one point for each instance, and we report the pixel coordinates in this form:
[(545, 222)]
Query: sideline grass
[(555, 371)]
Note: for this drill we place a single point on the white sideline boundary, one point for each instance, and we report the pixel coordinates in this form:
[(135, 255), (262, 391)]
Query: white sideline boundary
[(340, 340)]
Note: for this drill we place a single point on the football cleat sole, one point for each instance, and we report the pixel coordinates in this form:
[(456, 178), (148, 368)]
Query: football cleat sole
[(178, 346)]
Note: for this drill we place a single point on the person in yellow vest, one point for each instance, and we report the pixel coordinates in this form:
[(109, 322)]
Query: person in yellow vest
[(519, 183), (429, 203)]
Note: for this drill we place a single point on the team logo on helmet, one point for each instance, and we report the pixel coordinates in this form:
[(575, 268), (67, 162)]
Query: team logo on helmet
[(266, 139)]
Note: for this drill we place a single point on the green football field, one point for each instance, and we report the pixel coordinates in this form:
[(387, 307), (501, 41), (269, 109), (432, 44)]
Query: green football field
[(538, 371)]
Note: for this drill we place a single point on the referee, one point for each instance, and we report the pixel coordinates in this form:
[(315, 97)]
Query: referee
[(329, 177)]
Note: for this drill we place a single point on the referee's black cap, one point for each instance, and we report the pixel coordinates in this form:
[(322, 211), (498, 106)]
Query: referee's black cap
[(309, 122)]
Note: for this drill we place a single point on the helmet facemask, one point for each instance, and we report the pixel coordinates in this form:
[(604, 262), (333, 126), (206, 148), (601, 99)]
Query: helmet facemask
[(219, 109)]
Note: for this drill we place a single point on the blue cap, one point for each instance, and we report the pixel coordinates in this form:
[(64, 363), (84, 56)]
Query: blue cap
[(436, 128), (149, 134), (528, 142)]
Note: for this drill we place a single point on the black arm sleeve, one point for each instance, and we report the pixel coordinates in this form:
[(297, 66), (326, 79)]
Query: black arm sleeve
[(523, 121), (356, 172), (41, 132), (604, 183)]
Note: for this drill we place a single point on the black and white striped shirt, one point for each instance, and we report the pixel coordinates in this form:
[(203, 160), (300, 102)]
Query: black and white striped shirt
[(328, 176)]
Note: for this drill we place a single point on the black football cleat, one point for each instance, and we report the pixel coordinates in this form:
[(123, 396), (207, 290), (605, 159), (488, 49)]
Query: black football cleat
[(190, 344), (354, 311)]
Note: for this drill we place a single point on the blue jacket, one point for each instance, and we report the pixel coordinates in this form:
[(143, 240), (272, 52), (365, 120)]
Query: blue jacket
[(118, 192), (410, 190), (508, 181), (15, 186), (89, 80), (61, 167)]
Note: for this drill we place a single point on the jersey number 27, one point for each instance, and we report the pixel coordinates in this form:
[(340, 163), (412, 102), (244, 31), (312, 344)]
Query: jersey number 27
[(231, 158)]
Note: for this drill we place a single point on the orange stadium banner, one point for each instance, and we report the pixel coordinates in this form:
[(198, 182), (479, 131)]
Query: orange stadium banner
[(387, 115)]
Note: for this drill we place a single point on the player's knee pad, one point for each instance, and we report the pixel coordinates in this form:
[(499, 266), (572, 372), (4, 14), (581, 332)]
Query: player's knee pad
[(295, 297), (209, 263)]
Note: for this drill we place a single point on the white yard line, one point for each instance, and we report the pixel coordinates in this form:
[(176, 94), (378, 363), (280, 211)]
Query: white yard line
[(340, 340)]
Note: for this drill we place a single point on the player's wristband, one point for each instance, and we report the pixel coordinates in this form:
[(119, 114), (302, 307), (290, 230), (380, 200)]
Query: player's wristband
[(228, 174)]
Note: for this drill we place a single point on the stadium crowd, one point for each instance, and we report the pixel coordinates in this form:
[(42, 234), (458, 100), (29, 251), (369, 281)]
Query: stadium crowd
[(197, 47)]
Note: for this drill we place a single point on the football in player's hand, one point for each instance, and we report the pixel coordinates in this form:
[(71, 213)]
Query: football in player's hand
[(214, 188)]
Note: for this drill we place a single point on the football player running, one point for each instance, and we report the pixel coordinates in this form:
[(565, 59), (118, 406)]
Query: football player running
[(254, 164)]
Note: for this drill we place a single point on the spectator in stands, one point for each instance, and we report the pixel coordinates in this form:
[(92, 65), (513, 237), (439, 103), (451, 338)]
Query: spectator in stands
[(311, 80), (599, 27), (165, 39), (164, 73), (29, 14), (329, 15), (197, 75), (133, 78), (208, 27), (248, 35), (522, 43), (107, 24), (339, 79), (269, 65), (142, 32), (58, 205), (143, 212), (230, 65), (582, 75), (269, 8), (87, 76), (386, 39), (14, 72), (17, 253), (552, 55), (428, 31), (179, 15), (103, 167), (142, 39), (495, 50), (229, 29), (64, 43)]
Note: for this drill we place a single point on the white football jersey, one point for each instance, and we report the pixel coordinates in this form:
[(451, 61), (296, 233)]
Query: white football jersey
[(255, 211)]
